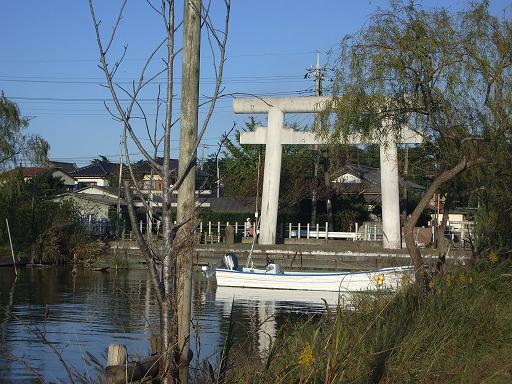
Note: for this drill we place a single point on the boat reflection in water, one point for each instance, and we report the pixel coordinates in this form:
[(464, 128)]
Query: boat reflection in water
[(266, 304)]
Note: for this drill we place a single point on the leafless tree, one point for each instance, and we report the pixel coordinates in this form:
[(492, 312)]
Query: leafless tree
[(168, 261)]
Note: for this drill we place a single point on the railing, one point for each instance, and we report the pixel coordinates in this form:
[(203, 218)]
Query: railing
[(308, 231), (206, 232), (214, 232), (96, 227), (459, 232)]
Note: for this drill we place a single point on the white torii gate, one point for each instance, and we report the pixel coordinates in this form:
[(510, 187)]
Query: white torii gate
[(276, 135)]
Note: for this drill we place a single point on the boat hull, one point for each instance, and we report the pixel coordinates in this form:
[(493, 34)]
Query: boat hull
[(386, 278)]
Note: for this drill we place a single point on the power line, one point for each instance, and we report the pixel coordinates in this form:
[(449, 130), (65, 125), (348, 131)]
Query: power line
[(49, 61), (159, 80)]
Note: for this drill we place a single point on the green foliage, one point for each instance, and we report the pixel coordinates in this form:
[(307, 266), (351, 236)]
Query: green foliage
[(48, 244), (14, 144), (37, 223), (449, 75), (459, 331), (239, 169)]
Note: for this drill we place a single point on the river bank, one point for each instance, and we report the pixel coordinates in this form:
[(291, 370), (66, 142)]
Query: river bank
[(458, 331), (335, 255)]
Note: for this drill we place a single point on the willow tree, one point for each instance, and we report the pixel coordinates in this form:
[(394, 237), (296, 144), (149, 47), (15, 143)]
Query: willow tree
[(16, 146), (169, 262), (446, 75)]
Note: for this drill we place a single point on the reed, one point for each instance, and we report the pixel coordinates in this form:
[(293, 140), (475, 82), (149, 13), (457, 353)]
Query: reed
[(459, 330)]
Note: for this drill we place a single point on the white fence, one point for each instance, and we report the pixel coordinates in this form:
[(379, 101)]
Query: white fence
[(458, 231), (308, 231), (214, 232), (207, 232)]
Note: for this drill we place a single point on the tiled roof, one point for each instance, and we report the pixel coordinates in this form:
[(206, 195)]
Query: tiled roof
[(32, 171), (65, 166), (100, 169), (142, 166), (370, 178), (221, 204), (101, 199)]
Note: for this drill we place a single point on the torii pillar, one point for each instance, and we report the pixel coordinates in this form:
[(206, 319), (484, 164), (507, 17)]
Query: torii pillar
[(276, 135)]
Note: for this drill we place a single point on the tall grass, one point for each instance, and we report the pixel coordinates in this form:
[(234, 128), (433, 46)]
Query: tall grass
[(459, 331)]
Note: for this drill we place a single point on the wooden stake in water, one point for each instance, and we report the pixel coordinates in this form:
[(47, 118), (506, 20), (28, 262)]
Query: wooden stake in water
[(12, 250)]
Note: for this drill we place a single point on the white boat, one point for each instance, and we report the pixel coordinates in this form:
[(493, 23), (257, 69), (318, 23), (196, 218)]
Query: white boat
[(273, 277)]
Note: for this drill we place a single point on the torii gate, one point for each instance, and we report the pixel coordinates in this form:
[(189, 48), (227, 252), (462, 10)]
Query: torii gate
[(276, 135)]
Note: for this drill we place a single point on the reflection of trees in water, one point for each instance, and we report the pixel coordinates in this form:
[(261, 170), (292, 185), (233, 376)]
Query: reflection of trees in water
[(7, 290)]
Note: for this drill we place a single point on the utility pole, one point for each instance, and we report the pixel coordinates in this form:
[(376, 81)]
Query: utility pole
[(218, 177), (121, 149), (186, 193), (318, 73), (404, 196)]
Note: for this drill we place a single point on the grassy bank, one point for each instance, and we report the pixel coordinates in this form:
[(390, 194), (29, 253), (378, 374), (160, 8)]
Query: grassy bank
[(460, 331)]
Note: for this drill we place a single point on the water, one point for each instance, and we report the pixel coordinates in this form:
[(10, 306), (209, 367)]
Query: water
[(84, 313)]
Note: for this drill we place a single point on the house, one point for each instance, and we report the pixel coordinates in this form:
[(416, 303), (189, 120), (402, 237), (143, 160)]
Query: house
[(100, 173), (30, 172), (65, 166), (152, 183), (94, 207), (97, 190), (359, 180)]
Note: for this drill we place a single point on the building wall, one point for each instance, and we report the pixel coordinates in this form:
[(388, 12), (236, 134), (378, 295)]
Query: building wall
[(66, 179), (96, 191), (88, 208), (100, 182)]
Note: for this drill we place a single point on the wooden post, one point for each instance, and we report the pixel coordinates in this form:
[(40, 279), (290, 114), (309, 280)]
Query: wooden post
[(326, 230), (117, 355), (298, 231), (12, 249), (186, 196), (307, 232), (317, 230), (357, 231), (289, 230), (119, 371)]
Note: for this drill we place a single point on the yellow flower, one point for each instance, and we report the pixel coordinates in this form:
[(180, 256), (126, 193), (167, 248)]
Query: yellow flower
[(306, 357), (431, 284), (493, 257), (462, 278), (379, 278)]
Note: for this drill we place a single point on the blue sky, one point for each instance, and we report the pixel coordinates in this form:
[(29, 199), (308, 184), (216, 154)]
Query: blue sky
[(49, 57)]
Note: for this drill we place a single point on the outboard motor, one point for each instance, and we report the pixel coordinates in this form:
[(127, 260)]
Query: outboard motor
[(230, 261)]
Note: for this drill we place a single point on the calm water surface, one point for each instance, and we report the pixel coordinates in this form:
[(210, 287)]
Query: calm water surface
[(85, 313)]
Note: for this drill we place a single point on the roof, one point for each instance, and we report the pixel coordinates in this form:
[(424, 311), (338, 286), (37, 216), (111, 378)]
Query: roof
[(32, 171), (231, 204), (142, 166), (369, 187), (220, 204), (104, 189), (99, 169), (65, 166), (101, 199)]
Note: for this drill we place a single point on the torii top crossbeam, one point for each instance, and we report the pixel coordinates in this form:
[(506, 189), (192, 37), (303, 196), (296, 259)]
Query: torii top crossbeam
[(276, 135)]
